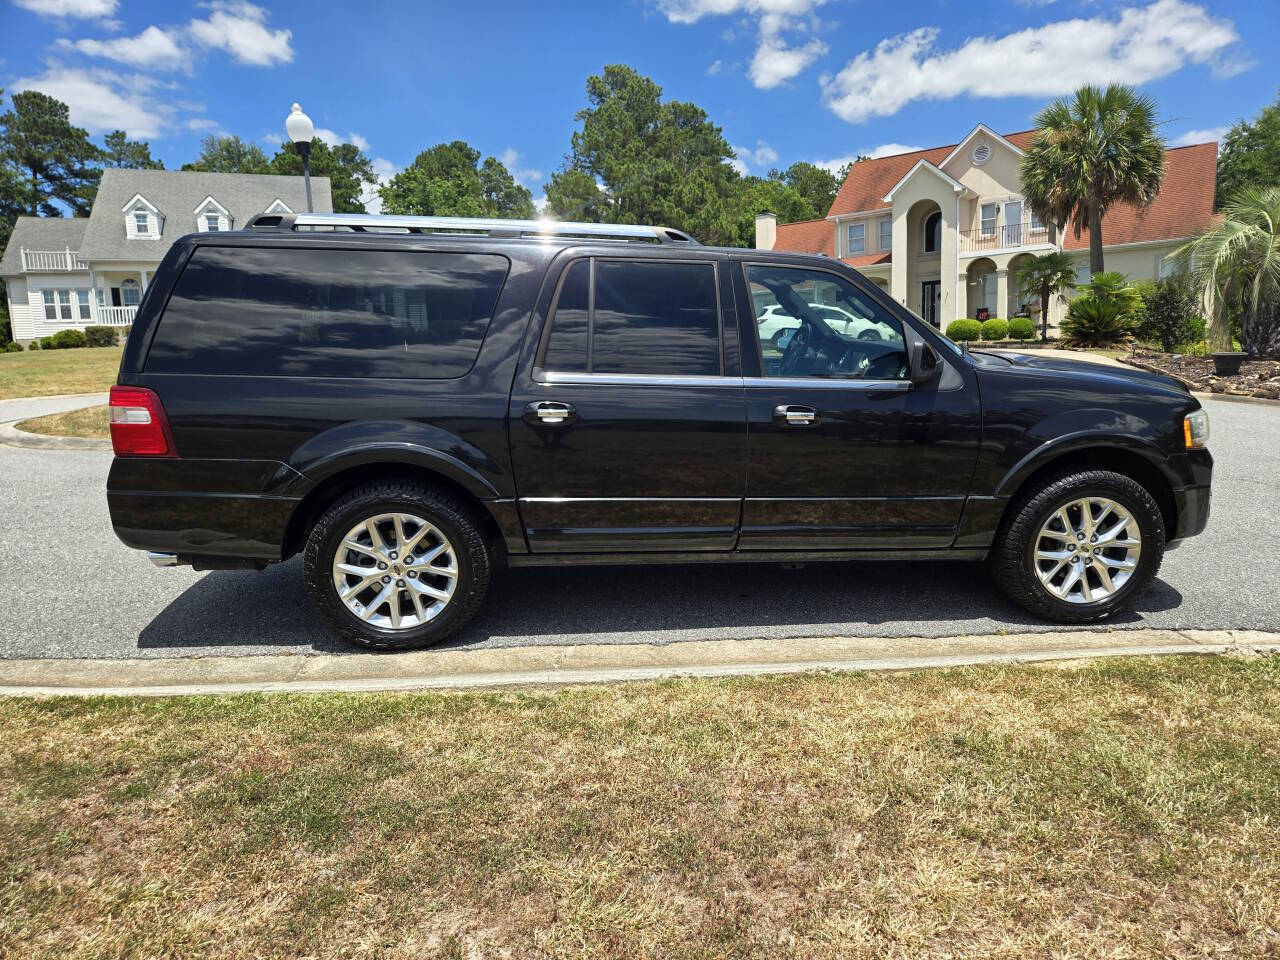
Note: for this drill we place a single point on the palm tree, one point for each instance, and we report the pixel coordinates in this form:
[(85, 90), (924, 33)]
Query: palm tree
[(1240, 256), (1094, 150), (1048, 275)]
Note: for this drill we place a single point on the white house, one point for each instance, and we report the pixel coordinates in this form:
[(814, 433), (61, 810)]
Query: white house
[(944, 230), (63, 272)]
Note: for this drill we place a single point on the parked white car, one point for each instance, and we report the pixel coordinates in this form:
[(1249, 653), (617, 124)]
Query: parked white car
[(776, 325)]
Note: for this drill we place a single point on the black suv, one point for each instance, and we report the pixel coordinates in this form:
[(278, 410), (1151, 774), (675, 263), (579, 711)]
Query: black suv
[(411, 402)]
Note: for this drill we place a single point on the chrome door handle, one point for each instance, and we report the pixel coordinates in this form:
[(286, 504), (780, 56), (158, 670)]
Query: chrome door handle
[(550, 413), (793, 415)]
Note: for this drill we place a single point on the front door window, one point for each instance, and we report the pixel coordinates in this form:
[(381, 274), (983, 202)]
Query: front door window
[(931, 300)]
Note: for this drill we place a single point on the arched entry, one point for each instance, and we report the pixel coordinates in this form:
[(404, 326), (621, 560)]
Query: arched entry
[(983, 288), (1019, 298), (924, 248)]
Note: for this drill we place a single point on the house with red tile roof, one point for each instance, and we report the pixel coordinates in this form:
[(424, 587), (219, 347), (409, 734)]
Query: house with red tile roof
[(945, 229)]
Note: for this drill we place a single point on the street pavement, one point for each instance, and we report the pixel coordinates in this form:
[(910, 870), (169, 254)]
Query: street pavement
[(73, 590)]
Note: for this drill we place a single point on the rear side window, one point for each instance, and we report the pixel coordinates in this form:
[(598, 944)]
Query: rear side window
[(254, 311), (636, 317)]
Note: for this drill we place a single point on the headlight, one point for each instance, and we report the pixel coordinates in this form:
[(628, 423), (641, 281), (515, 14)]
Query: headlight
[(1195, 429)]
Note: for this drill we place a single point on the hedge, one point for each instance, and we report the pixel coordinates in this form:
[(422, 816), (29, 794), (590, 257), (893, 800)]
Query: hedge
[(63, 340), (964, 329), (1022, 328), (100, 336), (994, 329)]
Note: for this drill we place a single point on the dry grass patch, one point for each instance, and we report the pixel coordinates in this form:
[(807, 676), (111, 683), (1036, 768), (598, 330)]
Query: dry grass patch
[(46, 373), (88, 422), (1123, 809)]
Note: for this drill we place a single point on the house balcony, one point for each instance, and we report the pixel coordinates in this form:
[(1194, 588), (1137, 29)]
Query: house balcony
[(52, 261), (1007, 236)]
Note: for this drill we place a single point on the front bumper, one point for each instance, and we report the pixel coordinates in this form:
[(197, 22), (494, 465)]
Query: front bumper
[(1193, 513)]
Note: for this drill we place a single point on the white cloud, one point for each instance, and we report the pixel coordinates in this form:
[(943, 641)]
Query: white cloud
[(715, 68), (776, 60), (153, 48), (384, 170), (1201, 136), (510, 158), (83, 9), (1142, 44), (332, 138), (240, 29), (836, 164), (760, 156), (102, 100)]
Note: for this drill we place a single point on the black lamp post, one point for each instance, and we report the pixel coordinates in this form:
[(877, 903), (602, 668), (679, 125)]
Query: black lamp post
[(301, 130)]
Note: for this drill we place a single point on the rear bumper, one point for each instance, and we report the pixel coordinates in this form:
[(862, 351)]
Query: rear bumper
[(245, 527)]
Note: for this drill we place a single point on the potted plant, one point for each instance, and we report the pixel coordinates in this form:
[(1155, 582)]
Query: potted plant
[(1227, 363)]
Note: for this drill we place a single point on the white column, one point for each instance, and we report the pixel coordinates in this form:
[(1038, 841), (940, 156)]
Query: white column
[(1002, 294), (143, 275)]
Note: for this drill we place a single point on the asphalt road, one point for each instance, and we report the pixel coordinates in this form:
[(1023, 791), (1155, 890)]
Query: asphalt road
[(72, 590)]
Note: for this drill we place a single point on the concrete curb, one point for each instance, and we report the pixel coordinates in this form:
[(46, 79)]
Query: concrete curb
[(596, 663), (11, 435), (52, 396)]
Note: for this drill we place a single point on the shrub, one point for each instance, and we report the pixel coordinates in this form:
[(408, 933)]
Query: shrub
[(1096, 322), (63, 340), (1022, 328), (100, 336), (964, 329), (12, 347), (1168, 315), (33, 345), (995, 329)]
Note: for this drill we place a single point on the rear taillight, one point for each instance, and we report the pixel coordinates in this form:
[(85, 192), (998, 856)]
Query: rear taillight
[(139, 427)]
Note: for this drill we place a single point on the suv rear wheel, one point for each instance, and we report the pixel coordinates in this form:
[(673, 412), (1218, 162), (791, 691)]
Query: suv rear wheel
[(1079, 547), (396, 565)]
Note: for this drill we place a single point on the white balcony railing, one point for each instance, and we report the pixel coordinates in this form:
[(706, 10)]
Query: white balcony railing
[(52, 261), (1007, 236), (114, 316)]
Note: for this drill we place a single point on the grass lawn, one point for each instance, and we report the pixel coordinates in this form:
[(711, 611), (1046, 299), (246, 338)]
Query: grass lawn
[(44, 373), (1128, 808), (89, 422)]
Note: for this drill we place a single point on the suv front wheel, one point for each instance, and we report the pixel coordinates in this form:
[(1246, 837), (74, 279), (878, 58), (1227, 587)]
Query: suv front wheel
[(1080, 547), (396, 565)]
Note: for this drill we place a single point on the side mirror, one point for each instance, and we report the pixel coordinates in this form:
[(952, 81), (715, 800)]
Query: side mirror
[(924, 366)]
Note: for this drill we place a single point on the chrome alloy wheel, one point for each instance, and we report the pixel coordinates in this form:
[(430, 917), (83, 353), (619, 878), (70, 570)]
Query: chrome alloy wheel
[(395, 571), (1087, 550)]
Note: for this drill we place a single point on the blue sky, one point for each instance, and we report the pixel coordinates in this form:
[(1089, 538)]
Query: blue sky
[(787, 80)]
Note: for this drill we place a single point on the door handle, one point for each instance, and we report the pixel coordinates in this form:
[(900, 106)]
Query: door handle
[(794, 415), (550, 413)]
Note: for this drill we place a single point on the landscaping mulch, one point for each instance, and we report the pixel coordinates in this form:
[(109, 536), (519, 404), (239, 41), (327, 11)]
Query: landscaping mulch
[(1257, 378)]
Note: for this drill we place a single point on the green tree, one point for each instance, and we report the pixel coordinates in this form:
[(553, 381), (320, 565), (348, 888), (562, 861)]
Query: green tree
[(51, 163), (652, 161), (1240, 258), (449, 180), (816, 185), (229, 155), (348, 170), (120, 151), (1047, 276), (772, 195), (1169, 314), (1250, 154), (1094, 150)]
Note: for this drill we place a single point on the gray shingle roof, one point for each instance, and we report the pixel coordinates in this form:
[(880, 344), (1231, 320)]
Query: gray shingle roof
[(176, 194), (41, 233)]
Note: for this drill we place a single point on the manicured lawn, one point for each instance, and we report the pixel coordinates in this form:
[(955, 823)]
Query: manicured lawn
[(1122, 809), (89, 422), (45, 373)]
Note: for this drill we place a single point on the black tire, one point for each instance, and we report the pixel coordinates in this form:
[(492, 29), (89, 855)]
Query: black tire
[(1012, 563), (453, 518)]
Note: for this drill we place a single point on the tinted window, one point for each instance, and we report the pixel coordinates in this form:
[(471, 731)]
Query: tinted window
[(828, 329), (647, 318), (327, 313)]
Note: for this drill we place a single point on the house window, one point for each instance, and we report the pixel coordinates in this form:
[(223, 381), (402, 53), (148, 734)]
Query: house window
[(886, 234), (64, 305), (1082, 273), (140, 223), (1036, 224), (933, 233), (82, 299), (857, 237), (50, 305), (988, 220), (130, 293), (211, 221)]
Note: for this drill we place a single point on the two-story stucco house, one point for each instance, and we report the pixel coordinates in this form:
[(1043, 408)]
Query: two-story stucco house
[(944, 229), (64, 272)]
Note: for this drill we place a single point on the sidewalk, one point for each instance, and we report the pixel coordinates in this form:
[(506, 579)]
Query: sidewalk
[(596, 663)]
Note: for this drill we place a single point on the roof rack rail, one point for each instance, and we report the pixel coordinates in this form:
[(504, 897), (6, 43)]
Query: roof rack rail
[(380, 223)]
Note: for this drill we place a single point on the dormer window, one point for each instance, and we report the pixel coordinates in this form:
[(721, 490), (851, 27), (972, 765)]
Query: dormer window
[(140, 225), (142, 220), (212, 217)]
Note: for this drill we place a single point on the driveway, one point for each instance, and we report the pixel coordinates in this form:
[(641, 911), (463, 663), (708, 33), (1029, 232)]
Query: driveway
[(74, 591)]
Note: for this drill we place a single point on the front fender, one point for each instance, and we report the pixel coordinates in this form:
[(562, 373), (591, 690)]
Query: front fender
[(400, 442), (1034, 452)]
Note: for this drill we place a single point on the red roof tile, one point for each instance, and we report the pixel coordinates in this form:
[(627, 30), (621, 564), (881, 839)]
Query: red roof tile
[(868, 259), (1182, 208), (807, 236)]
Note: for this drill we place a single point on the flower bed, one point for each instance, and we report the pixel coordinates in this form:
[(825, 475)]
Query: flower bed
[(1257, 378)]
